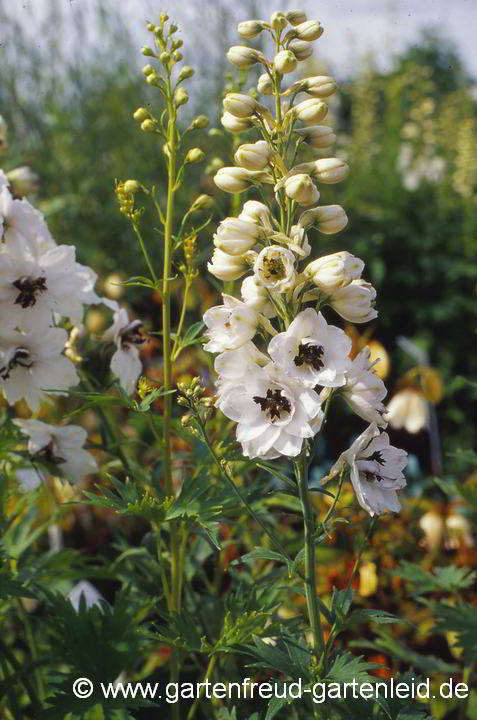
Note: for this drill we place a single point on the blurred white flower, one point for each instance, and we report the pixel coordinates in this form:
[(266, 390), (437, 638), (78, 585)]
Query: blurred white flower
[(364, 390), (273, 413), (84, 590), (31, 364), (408, 409), (19, 220), (375, 470), (59, 445), (256, 297), (229, 326), (311, 351), (126, 364)]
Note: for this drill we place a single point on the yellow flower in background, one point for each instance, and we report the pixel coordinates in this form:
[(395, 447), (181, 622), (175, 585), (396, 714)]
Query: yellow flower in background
[(408, 409), (368, 579)]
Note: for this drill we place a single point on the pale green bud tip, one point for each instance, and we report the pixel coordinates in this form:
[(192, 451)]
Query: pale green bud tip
[(141, 114), (147, 70), (177, 43), (172, 28), (195, 155), (285, 62), (177, 56), (295, 17), (249, 28), (202, 202), (243, 57), (146, 50), (151, 27), (186, 73), (200, 122), (152, 79), (148, 126), (164, 57), (163, 17), (181, 97), (131, 186), (278, 21)]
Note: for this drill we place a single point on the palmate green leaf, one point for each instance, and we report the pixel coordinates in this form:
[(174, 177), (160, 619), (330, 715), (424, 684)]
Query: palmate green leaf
[(238, 630), (191, 336), (347, 667), (11, 587), (380, 617), (449, 579), (180, 630), (264, 554), (461, 619), (274, 657)]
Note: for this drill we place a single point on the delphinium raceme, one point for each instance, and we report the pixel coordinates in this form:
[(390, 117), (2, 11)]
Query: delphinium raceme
[(280, 359)]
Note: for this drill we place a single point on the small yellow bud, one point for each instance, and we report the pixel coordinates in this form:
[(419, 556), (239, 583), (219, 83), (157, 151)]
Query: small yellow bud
[(148, 126), (295, 17), (147, 51), (278, 21), (203, 202), (164, 57), (309, 30), (200, 122), (265, 84), (243, 57), (301, 49), (186, 73), (163, 18), (215, 132), (177, 56), (177, 43), (181, 97), (152, 79), (141, 114), (151, 27), (285, 62), (131, 186), (172, 28), (147, 70), (195, 155), (215, 164), (249, 28), (186, 420)]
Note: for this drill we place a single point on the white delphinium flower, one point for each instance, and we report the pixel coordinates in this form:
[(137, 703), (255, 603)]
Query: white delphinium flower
[(318, 136), (273, 413), (126, 364), (375, 470), (235, 236), (253, 156), (229, 325), (408, 409), (19, 219), (354, 302), (331, 272), (59, 445), (256, 297), (34, 285), (364, 390), (256, 212), (274, 268), (227, 267), (29, 479), (302, 189), (312, 352), (329, 218), (31, 364), (234, 124), (232, 366)]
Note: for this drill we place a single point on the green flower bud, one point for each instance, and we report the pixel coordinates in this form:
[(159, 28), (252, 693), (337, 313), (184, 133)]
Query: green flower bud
[(186, 73), (285, 62), (265, 84), (200, 122), (249, 28), (202, 203), (146, 50), (151, 27), (195, 155), (181, 97), (176, 44), (278, 21), (131, 186), (148, 126), (164, 57), (295, 17), (147, 70), (163, 18), (177, 56), (152, 79), (141, 114)]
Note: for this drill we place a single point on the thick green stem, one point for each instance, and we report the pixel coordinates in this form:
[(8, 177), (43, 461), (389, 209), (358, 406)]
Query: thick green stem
[(301, 473)]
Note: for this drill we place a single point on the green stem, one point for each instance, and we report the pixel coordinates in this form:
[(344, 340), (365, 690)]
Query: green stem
[(207, 676), (335, 499), (136, 229), (361, 549), (176, 349), (301, 474)]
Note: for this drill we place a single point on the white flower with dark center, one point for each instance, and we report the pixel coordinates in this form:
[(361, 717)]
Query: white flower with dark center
[(354, 302), (364, 390), (35, 285), (312, 352), (19, 219), (126, 364), (274, 268), (229, 326), (256, 297), (61, 446), (273, 413), (375, 470), (31, 364)]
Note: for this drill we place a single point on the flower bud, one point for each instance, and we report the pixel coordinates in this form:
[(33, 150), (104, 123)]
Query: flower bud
[(153, 79), (147, 70), (354, 302), (172, 28), (295, 17), (22, 180), (164, 57), (309, 30), (181, 97), (148, 126), (256, 212), (227, 267), (200, 122), (253, 156), (194, 155), (238, 105), (147, 51), (177, 43), (301, 188), (278, 21), (131, 186), (330, 170), (256, 297), (301, 49), (235, 179), (320, 86), (249, 28), (318, 136), (334, 271), (265, 84), (432, 525), (151, 27), (203, 202), (234, 124), (186, 73), (141, 114), (243, 57), (215, 164), (285, 62), (330, 218), (177, 56), (311, 111)]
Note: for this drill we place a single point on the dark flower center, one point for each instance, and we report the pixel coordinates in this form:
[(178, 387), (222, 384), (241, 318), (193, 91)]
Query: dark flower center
[(377, 457), (29, 288), (20, 357), (309, 354), (274, 403), (130, 334), (48, 454), (274, 267)]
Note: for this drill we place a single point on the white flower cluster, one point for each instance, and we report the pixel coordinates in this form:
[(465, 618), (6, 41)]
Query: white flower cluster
[(278, 394)]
